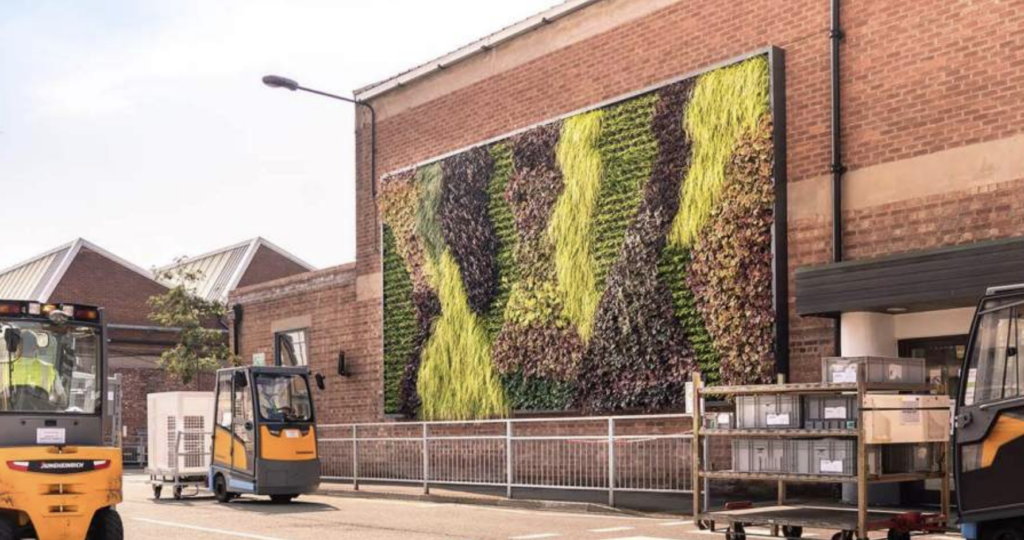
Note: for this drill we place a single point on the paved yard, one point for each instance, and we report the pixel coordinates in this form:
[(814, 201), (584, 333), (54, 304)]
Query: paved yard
[(321, 517)]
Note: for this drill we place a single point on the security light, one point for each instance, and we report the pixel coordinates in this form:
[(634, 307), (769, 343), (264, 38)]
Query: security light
[(275, 81)]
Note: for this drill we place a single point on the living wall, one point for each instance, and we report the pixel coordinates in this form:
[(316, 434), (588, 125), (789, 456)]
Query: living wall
[(590, 263)]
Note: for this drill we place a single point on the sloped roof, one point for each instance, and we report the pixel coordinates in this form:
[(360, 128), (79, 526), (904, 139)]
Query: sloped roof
[(36, 278), (221, 270)]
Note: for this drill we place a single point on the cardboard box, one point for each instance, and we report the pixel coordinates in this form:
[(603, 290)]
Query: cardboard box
[(894, 419)]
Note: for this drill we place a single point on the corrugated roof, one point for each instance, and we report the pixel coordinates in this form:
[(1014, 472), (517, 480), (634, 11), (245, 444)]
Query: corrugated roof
[(221, 270), (36, 278)]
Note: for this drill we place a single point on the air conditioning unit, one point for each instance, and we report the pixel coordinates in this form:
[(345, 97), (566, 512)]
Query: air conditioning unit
[(179, 428)]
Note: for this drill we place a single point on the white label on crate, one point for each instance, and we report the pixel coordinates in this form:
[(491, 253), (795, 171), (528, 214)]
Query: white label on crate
[(292, 433), (845, 374), (50, 436), (723, 420), (895, 372), (835, 413), (830, 466), (778, 419), (910, 416)]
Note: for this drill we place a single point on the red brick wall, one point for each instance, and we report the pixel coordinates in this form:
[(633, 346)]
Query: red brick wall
[(918, 77), (96, 280), (268, 265), (339, 322)]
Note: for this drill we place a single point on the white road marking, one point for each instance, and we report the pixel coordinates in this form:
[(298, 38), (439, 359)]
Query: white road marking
[(676, 523), (642, 538), (612, 529), (206, 529), (532, 536)]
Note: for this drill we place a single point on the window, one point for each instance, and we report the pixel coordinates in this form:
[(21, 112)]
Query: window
[(291, 349), (284, 398), (996, 371)]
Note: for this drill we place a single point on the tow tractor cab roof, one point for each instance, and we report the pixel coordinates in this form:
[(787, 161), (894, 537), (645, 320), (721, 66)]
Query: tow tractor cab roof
[(275, 370), (21, 309), (1005, 290)]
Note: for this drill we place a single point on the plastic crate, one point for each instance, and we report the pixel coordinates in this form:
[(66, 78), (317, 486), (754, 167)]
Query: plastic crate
[(761, 455), (769, 412), (719, 420), (910, 458), (837, 370), (830, 412), (824, 457)]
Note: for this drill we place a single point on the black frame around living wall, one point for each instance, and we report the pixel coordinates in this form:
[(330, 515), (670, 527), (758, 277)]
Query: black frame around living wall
[(780, 229)]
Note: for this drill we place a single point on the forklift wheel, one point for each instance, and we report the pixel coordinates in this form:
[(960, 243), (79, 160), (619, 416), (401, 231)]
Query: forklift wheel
[(106, 525), (220, 490), (7, 530), (793, 531), (282, 499), (177, 493), (157, 489)]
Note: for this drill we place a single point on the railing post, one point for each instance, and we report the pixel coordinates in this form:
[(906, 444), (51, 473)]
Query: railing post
[(426, 460), (355, 458), (611, 462), (508, 459)]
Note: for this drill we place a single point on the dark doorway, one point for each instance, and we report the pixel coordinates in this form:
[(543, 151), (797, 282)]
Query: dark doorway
[(943, 358)]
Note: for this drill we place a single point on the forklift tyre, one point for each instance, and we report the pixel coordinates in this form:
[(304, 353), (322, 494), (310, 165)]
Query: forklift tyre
[(106, 525), (157, 489), (793, 531), (7, 530), (282, 499), (220, 490), (1003, 530)]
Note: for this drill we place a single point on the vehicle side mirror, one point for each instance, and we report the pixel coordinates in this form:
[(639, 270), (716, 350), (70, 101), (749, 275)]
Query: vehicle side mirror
[(240, 380), (12, 338), (320, 381)]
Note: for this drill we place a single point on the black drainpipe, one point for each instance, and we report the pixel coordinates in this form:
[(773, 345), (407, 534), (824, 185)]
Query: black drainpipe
[(236, 329), (837, 168)]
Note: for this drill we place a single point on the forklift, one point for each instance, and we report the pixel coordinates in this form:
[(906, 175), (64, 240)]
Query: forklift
[(58, 481), (264, 437), (989, 426)]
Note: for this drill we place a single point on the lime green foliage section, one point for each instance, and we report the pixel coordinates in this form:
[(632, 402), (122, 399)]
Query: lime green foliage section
[(628, 150), (399, 322), (727, 104), (673, 269), (428, 224), (505, 229), (572, 217), (457, 379)]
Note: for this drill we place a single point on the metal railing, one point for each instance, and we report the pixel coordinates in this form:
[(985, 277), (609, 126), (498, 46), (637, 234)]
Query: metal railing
[(649, 453), (133, 450)]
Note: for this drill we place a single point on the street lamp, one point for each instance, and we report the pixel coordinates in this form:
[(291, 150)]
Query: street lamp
[(275, 81)]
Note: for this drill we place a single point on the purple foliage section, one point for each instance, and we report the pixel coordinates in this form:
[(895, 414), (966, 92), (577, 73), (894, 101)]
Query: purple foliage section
[(538, 351), (428, 309), (466, 225), (536, 181), (639, 357)]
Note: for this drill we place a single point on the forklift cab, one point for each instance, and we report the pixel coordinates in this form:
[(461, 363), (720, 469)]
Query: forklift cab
[(989, 431), (264, 440)]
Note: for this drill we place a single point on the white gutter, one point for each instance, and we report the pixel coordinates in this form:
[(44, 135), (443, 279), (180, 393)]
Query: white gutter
[(477, 47)]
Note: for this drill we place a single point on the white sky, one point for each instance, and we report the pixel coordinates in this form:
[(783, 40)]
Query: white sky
[(142, 125)]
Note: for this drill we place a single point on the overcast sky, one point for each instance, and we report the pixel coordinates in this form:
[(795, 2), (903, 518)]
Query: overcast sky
[(142, 126)]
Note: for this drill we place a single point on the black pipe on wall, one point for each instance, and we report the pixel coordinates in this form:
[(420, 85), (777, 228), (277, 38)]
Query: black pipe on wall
[(837, 167), (236, 328)]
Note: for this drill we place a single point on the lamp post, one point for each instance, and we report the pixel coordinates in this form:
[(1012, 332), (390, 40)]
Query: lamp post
[(275, 81)]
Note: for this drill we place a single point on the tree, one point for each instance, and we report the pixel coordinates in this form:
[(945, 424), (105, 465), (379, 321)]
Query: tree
[(201, 347)]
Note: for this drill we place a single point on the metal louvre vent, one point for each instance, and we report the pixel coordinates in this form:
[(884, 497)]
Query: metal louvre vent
[(193, 441), (172, 437)]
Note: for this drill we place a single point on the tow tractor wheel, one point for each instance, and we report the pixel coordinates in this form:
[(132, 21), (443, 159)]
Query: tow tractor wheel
[(793, 531), (106, 525), (157, 489), (220, 490), (1007, 530), (282, 499), (7, 530)]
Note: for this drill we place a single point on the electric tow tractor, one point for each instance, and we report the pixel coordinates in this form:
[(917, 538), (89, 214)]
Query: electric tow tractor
[(989, 429), (264, 439), (57, 479)]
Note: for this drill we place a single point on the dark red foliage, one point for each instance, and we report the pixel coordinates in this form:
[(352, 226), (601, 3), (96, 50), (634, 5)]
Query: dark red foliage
[(538, 351), (466, 225), (639, 356), (536, 181)]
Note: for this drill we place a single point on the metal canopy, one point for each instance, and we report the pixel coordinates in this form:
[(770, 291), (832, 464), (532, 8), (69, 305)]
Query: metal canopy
[(942, 278)]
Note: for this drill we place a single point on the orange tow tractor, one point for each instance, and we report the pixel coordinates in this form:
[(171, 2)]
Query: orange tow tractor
[(57, 479)]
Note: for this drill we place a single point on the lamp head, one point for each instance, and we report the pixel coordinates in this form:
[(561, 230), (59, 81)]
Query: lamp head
[(275, 81)]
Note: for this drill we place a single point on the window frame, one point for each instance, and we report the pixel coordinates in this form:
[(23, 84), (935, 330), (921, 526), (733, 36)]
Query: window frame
[(278, 356)]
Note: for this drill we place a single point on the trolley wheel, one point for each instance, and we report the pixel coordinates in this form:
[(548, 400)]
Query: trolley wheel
[(106, 525), (894, 534), (843, 535), (220, 490), (177, 493), (736, 532), (793, 531), (7, 530), (705, 525), (157, 490), (282, 499)]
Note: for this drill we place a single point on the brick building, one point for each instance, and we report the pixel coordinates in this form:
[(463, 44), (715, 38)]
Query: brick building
[(931, 137)]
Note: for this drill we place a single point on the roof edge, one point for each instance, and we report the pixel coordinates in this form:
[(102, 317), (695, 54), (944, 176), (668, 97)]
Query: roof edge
[(479, 46)]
